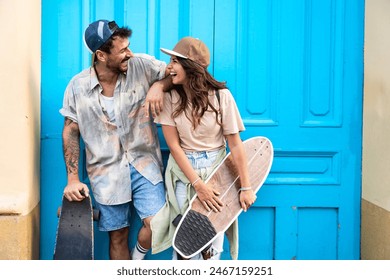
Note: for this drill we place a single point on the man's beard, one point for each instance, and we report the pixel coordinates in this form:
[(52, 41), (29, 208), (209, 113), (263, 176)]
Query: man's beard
[(117, 68)]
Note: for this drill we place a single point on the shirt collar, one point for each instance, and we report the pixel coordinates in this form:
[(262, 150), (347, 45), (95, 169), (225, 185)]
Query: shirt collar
[(94, 79), (95, 82)]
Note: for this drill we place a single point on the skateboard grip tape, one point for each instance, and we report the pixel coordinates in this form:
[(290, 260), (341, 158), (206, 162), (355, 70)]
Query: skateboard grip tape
[(196, 230)]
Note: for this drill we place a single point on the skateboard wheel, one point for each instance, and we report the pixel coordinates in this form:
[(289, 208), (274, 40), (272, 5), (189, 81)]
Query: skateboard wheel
[(96, 214)]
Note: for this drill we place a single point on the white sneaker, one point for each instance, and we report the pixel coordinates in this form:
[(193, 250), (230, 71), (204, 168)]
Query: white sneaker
[(197, 257), (214, 254)]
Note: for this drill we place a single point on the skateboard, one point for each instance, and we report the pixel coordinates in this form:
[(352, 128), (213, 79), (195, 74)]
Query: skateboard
[(74, 239), (198, 227)]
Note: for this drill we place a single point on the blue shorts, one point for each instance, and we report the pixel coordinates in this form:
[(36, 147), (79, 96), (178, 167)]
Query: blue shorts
[(148, 199), (199, 161)]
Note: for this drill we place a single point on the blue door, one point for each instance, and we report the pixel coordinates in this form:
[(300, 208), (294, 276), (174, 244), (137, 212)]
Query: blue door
[(296, 71)]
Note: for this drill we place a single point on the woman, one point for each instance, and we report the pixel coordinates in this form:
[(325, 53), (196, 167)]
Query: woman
[(199, 114)]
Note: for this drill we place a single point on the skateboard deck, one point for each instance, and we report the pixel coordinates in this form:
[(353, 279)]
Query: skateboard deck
[(199, 227), (74, 240)]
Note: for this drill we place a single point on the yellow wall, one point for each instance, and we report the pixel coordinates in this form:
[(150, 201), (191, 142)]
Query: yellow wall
[(376, 133), (20, 51)]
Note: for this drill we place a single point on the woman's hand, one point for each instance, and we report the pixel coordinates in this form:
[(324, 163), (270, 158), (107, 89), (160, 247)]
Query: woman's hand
[(208, 196)]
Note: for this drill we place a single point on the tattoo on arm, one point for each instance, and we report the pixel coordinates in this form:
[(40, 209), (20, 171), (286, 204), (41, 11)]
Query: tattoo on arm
[(71, 146)]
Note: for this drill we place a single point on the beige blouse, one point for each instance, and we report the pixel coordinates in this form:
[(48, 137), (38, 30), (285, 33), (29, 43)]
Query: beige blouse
[(208, 135)]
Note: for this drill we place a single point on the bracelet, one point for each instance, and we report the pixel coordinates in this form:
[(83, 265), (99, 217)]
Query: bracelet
[(245, 189), (194, 182)]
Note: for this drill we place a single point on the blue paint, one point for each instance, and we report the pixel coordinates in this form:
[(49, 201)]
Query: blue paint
[(296, 71)]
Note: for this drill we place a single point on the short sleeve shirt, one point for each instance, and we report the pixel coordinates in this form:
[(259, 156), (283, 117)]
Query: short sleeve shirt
[(132, 138), (208, 135)]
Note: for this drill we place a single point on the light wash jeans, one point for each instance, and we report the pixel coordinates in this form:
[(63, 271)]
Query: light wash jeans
[(199, 161)]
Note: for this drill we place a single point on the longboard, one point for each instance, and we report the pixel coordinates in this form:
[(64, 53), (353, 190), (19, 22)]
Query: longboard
[(74, 239), (198, 227)]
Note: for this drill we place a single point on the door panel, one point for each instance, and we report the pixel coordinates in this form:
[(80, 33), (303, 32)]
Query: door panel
[(286, 63)]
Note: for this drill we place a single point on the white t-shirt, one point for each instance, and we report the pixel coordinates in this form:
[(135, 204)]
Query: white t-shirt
[(107, 104), (208, 135)]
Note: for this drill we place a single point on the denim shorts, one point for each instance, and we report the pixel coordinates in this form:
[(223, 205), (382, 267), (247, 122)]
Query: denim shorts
[(148, 199), (199, 161)]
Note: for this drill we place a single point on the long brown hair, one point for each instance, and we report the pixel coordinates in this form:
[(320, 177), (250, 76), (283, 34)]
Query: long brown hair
[(200, 82)]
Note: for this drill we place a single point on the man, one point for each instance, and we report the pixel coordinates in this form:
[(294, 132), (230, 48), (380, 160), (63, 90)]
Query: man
[(108, 106)]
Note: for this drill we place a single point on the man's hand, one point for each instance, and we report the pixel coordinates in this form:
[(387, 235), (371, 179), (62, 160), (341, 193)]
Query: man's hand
[(154, 100), (155, 97), (76, 191)]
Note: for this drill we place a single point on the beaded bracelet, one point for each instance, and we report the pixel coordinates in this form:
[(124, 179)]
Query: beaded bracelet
[(245, 189), (193, 183)]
